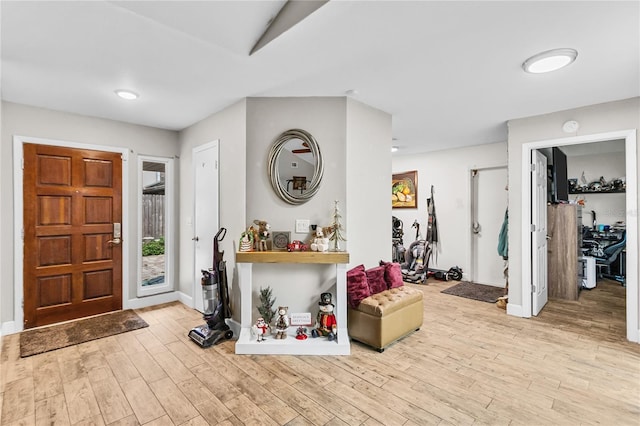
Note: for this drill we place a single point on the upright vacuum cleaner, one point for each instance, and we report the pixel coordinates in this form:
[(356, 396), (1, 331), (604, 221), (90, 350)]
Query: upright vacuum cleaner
[(215, 294)]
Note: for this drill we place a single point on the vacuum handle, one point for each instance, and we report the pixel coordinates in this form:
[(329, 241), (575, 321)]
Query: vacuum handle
[(222, 231)]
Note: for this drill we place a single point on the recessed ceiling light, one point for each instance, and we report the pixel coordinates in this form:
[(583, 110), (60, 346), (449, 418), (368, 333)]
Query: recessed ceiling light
[(551, 60), (394, 148), (127, 94)]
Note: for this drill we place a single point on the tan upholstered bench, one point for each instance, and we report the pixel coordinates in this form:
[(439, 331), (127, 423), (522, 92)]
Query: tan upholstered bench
[(382, 318)]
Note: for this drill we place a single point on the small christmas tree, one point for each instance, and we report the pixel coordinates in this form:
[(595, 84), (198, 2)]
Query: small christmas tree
[(336, 228), (266, 305)]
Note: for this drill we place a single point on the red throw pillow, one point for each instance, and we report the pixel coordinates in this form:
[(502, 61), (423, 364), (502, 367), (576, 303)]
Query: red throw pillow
[(375, 278), (357, 286), (392, 274)]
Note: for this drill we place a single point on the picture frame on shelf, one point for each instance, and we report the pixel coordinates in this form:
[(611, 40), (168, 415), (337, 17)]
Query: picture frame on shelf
[(404, 190), (280, 240)]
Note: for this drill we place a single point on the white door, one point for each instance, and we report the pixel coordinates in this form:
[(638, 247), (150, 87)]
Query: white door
[(539, 230), (488, 207), (205, 222)]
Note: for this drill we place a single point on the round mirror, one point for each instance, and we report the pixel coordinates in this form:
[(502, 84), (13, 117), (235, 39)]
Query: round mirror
[(295, 166)]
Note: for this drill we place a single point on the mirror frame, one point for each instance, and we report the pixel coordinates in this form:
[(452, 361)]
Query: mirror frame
[(274, 154)]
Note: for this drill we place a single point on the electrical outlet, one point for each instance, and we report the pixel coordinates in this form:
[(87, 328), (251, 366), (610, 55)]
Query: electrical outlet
[(302, 226)]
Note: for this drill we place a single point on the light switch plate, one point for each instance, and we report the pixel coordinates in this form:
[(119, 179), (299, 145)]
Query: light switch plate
[(302, 226)]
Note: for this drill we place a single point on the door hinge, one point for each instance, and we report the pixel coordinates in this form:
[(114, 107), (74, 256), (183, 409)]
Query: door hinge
[(22, 163), (22, 234), (216, 164), (532, 227), (533, 288), (532, 167)]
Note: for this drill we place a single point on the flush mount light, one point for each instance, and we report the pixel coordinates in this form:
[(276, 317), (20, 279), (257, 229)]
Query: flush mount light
[(551, 60), (127, 94)]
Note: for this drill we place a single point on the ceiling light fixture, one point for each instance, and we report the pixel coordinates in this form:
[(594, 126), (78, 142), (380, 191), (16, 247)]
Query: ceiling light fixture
[(551, 60), (394, 148), (351, 92), (127, 94)]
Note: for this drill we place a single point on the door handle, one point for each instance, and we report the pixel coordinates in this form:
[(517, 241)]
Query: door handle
[(196, 239), (115, 241)]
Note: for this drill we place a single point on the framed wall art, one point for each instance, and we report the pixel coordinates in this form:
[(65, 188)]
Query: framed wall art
[(404, 190), (280, 240)]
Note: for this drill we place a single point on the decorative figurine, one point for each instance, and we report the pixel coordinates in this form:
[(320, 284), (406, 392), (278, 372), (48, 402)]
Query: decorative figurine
[(320, 242), (246, 241), (326, 321), (261, 233), (301, 333), (297, 245), (282, 323), (336, 228), (260, 329)]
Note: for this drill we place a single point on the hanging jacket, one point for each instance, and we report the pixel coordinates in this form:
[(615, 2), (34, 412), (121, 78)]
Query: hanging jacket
[(503, 238)]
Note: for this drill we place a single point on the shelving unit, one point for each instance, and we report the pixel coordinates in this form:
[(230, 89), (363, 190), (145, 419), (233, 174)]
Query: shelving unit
[(247, 343), (612, 191), (564, 227)]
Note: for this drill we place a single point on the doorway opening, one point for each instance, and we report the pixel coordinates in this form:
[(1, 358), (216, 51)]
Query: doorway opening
[(488, 204), (631, 220)]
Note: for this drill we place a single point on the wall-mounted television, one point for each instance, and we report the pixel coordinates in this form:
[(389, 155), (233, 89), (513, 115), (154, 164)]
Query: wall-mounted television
[(560, 183)]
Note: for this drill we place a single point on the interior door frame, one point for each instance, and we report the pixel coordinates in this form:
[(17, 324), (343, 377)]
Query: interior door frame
[(471, 192), (631, 167), (18, 220)]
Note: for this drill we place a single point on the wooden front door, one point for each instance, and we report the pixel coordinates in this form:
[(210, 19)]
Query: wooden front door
[(72, 262)]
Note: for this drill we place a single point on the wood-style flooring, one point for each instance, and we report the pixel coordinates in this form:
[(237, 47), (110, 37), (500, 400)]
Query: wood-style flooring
[(470, 363)]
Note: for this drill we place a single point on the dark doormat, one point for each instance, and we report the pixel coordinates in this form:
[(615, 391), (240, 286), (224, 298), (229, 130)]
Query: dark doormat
[(49, 338), (481, 292)]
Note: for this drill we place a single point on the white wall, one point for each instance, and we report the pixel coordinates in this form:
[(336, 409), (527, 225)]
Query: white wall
[(30, 121), (609, 208), (229, 126), (594, 119), (325, 119), (449, 173), (367, 184)]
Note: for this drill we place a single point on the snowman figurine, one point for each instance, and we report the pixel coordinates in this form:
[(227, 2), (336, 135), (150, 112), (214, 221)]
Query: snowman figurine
[(326, 320)]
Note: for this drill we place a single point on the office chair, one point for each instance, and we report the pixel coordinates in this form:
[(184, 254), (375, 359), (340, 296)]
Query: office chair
[(610, 255)]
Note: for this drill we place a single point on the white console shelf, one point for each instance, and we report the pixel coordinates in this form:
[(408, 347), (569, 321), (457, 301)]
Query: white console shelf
[(247, 343)]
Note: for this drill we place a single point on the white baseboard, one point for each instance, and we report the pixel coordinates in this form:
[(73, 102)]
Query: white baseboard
[(514, 310), (9, 327), (185, 299), (235, 326)]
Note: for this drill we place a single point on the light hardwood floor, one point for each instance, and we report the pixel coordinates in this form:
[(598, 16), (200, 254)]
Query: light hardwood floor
[(469, 364)]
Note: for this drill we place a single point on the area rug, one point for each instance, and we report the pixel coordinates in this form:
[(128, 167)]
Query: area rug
[(481, 292), (59, 336)]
